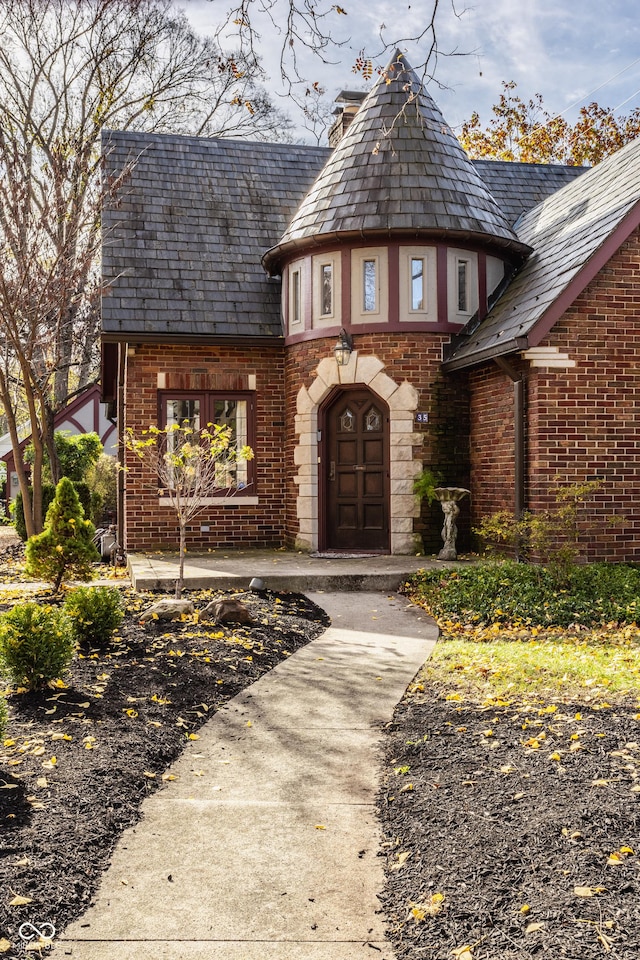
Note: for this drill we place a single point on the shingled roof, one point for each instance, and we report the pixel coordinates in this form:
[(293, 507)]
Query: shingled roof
[(573, 233), (182, 245), (398, 169)]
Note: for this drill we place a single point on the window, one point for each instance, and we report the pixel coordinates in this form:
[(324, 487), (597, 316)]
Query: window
[(295, 315), (326, 289), (417, 284), (463, 295), (462, 284), (369, 286), (228, 410)]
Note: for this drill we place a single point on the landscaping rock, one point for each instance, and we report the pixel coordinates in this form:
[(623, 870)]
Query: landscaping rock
[(167, 610), (228, 610)]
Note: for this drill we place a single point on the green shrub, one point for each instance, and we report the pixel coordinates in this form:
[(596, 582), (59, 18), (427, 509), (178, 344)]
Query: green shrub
[(95, 612), (36, 644), (65, 549), (3, 716), (508, 592)]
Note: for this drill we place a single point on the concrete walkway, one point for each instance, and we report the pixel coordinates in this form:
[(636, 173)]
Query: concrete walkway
[(265, 846), (280, 570)]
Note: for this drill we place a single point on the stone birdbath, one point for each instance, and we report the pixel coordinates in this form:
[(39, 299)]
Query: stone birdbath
[(449, 497)]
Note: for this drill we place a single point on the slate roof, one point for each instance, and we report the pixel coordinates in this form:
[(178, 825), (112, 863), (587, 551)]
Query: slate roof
[(516, 187), (573, 233), (398, 169), (182, 247)]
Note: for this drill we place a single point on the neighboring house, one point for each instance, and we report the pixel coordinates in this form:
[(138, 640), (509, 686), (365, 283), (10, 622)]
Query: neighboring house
[(491, 310), (84, 414)]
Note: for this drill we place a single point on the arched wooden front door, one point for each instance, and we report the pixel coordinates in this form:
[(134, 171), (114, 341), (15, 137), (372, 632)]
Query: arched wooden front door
[(355, 472)]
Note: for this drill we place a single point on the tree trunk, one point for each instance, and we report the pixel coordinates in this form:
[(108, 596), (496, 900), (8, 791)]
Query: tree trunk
[(183, 550)]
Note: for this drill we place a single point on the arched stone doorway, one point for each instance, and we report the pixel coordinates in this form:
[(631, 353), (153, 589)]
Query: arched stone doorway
[(404, 443)]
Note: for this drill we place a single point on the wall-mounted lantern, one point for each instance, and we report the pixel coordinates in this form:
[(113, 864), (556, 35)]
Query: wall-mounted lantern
[(343, 348)]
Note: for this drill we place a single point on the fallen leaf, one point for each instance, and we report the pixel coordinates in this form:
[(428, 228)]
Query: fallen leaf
[(320, 826), (532, 927), (401, 859), (5, 946), (462, 953), (19, 901)]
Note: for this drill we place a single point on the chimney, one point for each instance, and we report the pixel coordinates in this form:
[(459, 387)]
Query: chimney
[(349, 103)]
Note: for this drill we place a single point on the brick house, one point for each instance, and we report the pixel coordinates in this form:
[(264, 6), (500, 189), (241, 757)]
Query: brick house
[(357, 312)]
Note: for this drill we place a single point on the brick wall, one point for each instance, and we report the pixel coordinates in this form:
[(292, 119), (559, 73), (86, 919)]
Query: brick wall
[(584, 421), (152, 526)]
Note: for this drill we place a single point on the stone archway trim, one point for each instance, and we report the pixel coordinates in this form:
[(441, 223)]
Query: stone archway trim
[(405, 443)]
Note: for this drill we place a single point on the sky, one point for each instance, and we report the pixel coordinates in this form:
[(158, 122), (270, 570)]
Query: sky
[(570, 52)]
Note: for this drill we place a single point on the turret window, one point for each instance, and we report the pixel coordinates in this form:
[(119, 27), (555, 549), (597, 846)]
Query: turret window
[(417, 284), (326, 291), (462, 284), (369, 286), (325, 274), (463, 279), (298, 295)]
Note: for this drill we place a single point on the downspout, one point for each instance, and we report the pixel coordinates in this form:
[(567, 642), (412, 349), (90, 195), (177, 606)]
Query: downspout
[(519, 454), (120, 413)]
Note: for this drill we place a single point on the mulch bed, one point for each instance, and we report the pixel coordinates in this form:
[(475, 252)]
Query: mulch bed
[(78, 761), (534, 856)]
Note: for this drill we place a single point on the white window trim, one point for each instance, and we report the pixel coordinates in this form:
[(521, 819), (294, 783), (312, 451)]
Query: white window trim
[(430, 258), (317, 263), (296, 268), (358, 258), (454, 257)]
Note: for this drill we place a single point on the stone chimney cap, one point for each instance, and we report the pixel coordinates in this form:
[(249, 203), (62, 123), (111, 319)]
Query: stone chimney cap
[(351, 96)]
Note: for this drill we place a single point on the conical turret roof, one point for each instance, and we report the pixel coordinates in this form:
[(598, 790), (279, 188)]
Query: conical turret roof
[(399, 169)]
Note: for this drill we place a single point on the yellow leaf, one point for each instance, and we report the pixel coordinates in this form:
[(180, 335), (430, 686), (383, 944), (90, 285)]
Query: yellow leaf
[(532, 927), (320, 826), (148, 774), (19, 901), (555, 756), (614, 860), (463, 953), (626, 850), (169, 776), (5, 946), (525, 908), (193, 736), (38, 751), (401, 859)]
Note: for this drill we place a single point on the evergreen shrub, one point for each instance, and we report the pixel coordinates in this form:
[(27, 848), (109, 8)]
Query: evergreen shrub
[(95, 613), (36, 644), (65, 549)]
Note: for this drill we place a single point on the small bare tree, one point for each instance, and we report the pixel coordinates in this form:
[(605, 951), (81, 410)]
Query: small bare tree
[(189, 466)]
